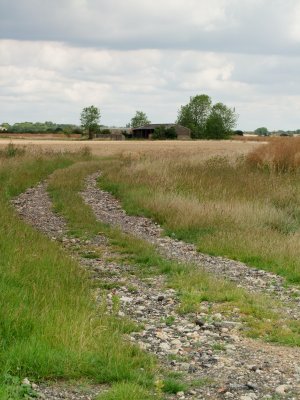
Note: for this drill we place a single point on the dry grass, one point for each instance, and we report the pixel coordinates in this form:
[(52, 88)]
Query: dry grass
[(281, 155), (203, 149), (263, 317), (224, 206)]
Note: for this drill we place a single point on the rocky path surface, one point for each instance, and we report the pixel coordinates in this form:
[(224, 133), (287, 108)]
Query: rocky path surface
[(108, 209), (205, 350)]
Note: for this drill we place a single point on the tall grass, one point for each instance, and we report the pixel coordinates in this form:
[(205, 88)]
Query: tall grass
[(263, 318), (49, 327), (228, 208), (281, 155)]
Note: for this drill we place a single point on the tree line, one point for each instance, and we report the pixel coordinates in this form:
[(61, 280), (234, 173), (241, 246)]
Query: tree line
[(205, 120), (263, 131), (41, 127)]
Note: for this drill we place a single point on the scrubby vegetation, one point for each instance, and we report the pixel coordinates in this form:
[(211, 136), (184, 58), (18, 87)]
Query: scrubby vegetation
[(233, 208), (281, 156), (246, 208), (263, 318)]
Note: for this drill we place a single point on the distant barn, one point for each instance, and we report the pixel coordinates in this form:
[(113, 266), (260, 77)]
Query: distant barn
[(146, 131)]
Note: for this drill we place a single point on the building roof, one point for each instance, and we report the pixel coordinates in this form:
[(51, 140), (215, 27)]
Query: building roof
[(153, 126)]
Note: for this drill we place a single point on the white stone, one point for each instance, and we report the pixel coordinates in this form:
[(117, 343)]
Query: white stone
[(26, 381), (164, 346), (162, 335), (126, 299), (282, 389)]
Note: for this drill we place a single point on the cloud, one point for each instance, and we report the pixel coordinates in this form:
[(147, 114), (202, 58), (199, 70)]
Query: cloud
[(256, 26), (57, 57)]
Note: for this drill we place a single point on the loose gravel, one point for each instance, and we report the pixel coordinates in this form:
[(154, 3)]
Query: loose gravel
[(204, 350)]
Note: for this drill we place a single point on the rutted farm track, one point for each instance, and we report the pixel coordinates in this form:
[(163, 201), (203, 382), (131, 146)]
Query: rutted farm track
[(205, 348)]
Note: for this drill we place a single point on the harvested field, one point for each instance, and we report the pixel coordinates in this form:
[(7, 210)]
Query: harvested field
[(203, 148)]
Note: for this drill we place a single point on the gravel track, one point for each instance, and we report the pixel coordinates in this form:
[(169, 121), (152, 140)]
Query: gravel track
[(206, 349)]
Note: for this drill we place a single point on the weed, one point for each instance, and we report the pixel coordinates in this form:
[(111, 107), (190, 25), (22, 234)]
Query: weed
[(126, 391), (12, 150), (169, 321), (173, 386), (90, 255), (11, 387), (115, 303), (218, 347)]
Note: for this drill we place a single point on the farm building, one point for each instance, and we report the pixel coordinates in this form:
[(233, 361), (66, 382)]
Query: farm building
[(111, 134), (145, 131)]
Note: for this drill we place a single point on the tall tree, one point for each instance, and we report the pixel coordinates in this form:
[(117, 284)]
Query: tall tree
[(195, 114), (221, 122), (206, 120), (139, 119), (90, 119), (263, 131)]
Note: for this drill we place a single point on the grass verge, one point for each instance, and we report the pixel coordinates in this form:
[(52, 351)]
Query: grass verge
[(49, 327), (193, 284)]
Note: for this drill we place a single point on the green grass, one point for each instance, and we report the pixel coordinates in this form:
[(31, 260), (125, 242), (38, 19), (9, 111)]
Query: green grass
[(173, 386), (12, 388), (49, 326), (262, 317), (126, 391)]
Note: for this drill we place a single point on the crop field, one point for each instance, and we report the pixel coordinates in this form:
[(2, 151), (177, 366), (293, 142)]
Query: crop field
[(61, 313), (203, 149)]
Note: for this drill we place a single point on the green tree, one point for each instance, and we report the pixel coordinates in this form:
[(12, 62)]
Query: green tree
[(90, 118), (221, 122), (194, 115), (162, 133), (263, 131), (139, 119), (206, 120)]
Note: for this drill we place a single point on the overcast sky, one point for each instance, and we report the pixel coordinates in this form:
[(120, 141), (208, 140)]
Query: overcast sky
[(57, 57)]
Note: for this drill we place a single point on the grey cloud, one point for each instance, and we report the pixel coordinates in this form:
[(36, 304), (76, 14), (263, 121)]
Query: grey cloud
[(251, 26), (45, 80), (59, 56)]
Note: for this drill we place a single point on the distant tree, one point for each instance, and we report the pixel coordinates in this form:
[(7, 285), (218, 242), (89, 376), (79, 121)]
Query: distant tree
[(263, 131), (221, 122), (77, 130), (139, 119), (171, 133), (90, 118), (6, 125), (105, 131), (206, 120), (194, 115), (163, 133)]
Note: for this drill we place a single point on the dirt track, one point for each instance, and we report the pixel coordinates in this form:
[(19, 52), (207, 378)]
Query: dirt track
[(196, 346)]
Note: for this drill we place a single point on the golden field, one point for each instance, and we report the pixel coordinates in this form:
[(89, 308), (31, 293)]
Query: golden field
[(204, 148)]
